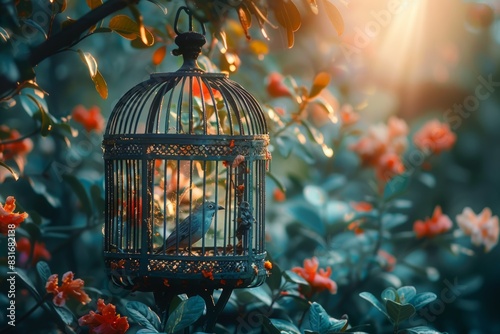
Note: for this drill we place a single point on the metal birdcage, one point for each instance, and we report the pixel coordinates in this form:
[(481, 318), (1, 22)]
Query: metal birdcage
[(178, 148)]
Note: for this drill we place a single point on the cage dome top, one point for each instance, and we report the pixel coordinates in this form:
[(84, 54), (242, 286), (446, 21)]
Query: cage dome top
[(187, 102)]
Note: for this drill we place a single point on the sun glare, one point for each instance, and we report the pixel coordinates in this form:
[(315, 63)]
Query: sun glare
[(402, 46)]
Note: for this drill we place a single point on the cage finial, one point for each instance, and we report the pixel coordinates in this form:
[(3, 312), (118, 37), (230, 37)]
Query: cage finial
[(190, 42)]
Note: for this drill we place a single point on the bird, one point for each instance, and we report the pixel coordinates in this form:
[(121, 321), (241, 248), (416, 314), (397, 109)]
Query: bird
[(191, 224)]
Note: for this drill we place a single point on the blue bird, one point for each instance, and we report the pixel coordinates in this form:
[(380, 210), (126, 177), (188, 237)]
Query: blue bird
[(195, 221)]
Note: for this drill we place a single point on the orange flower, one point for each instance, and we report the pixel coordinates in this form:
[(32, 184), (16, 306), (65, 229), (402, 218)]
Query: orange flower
[(483, 228), (275, 86), (91, 119), (207, 96), (435, 137), (268, 265), (17, 148), (8, 218), (24, 247), (389, 165), (348, 116), (105, 320), (437, 224), (279, 195), (69, 288), (318, 281)]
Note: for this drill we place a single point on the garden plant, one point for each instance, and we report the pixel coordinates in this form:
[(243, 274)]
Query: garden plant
[(382, 195)]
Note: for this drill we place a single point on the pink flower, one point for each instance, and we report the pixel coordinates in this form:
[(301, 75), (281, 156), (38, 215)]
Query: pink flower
[(483, 228), (319, 281), (437, 224), (348, 116), (382, 147), (435, 137)]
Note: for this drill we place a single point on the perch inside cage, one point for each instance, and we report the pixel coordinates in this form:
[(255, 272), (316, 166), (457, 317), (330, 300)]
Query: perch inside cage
[(185, 161)]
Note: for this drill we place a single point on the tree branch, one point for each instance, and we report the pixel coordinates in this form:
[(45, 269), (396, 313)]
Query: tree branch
[(68, 35)]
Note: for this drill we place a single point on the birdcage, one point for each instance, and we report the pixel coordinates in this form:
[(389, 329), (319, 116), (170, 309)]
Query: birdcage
[(185, 161)]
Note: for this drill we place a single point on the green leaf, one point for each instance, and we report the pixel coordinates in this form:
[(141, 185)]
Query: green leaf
[(280, 326), (46, 119), (80, 192), (399, 312), (12, 172), (321, 322), (160, 5), (268, 326), (258, 294), (292, 277), (43, 270), (65, 314), (390, 294), (396, 186), (176, 301), (374, 301), (274, 279), (27, 281), (280, 185), (188, 312), (392, 220), (143, 315), (308, 217), (406, 293), (422, 299), (422, 330)]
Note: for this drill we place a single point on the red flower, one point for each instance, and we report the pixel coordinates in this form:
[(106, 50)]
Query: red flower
[(105, 320), (208, 274), (318, 281), (275, 86), (435, 137), (437, 224), (204, 92), (8, 218), (17, 148), (91, 119), (69, 288), (24, 247)]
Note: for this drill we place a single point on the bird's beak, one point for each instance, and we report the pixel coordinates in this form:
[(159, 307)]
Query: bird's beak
[(220, 207)]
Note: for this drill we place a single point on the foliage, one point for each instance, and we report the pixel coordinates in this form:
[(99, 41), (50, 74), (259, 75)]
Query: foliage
[(357, 203)]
